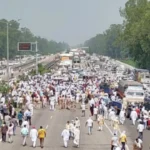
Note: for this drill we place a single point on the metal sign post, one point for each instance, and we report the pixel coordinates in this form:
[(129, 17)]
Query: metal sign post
[(29, 46), (36, 58)]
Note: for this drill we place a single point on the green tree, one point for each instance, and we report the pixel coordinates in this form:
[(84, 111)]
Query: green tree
[(96, 44), (107, 43), (136, 30), (25, 35)]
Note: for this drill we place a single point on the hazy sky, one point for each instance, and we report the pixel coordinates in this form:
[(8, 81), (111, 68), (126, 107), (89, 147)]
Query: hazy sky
[(72, 21)]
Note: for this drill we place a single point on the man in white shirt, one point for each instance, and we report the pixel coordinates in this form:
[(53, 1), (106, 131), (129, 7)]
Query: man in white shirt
[(3, 100), (112, 116), (114, 141), (76, 136), (140, 129), (33, 136), (95, 112), (133, 116), (65, 135), (89, 123), (25, 123)]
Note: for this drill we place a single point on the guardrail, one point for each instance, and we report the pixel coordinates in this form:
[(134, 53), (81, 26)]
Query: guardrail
[(49, 65), (22, 65)]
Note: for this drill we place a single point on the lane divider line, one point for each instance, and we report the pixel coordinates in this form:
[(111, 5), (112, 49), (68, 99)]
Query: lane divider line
[(112, 133)]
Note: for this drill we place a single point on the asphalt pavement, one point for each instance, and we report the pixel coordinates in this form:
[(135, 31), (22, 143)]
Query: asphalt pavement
[(17, 73), (54, 122)]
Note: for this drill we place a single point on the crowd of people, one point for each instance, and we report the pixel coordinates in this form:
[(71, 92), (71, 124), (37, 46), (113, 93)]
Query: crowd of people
[(71, 131), (45, 90)]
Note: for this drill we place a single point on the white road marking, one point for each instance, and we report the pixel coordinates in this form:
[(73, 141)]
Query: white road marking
[(51, 117), (108, 129), (47, 127), (112, 133)]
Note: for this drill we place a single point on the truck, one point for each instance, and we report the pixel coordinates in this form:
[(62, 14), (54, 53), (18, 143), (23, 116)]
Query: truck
[(131, 92), (142, 75)]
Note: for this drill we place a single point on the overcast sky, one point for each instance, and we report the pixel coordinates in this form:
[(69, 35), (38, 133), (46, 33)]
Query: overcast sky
[(72, 21)]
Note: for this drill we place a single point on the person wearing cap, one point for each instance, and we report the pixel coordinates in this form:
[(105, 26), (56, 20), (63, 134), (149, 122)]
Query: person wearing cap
[(65, 135), (76, 136), (41, 136), (33, 136)]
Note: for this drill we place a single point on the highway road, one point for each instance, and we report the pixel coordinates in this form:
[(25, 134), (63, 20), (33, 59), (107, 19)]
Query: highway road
[(55, 122), (26, 67)]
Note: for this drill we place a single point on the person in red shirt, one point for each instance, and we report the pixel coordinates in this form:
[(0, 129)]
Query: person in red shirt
[(148, 123), (138, 112)]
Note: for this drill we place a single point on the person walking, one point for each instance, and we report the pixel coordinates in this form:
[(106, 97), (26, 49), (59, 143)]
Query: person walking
[(65, 135), (83, 109), (77, 122), (52, 103), (91, 103), (10, 132), (27, 115), (133, 116), (122, 116), (15, 124), (33, 136), (4, 130), (24, 133), (76, 136), (95, 113), (140, 129), (89, 123), (116, 125), (100, 122), (114, 142), (41, 136), (137, 145), (123, 140), (25, 122), (20, 118)]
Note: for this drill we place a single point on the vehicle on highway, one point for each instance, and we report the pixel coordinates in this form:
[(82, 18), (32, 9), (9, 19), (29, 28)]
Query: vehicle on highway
[(130, 91)]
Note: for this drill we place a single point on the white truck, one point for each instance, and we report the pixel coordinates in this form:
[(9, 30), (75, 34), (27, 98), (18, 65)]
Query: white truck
[(131, 92)]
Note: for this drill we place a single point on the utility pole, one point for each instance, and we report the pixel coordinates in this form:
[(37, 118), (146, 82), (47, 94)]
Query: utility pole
[(8, 71), (36, 58)]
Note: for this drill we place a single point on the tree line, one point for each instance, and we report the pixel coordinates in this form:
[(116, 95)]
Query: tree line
[(131, 39), (17, 34)]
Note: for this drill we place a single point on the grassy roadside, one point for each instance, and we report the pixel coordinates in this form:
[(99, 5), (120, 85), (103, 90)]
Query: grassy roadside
[(129, 62)]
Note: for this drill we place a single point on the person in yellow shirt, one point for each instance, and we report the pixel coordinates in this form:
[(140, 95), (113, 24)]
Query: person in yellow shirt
[(116, 125), (123, 140), (41, 136), (100, 122)]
